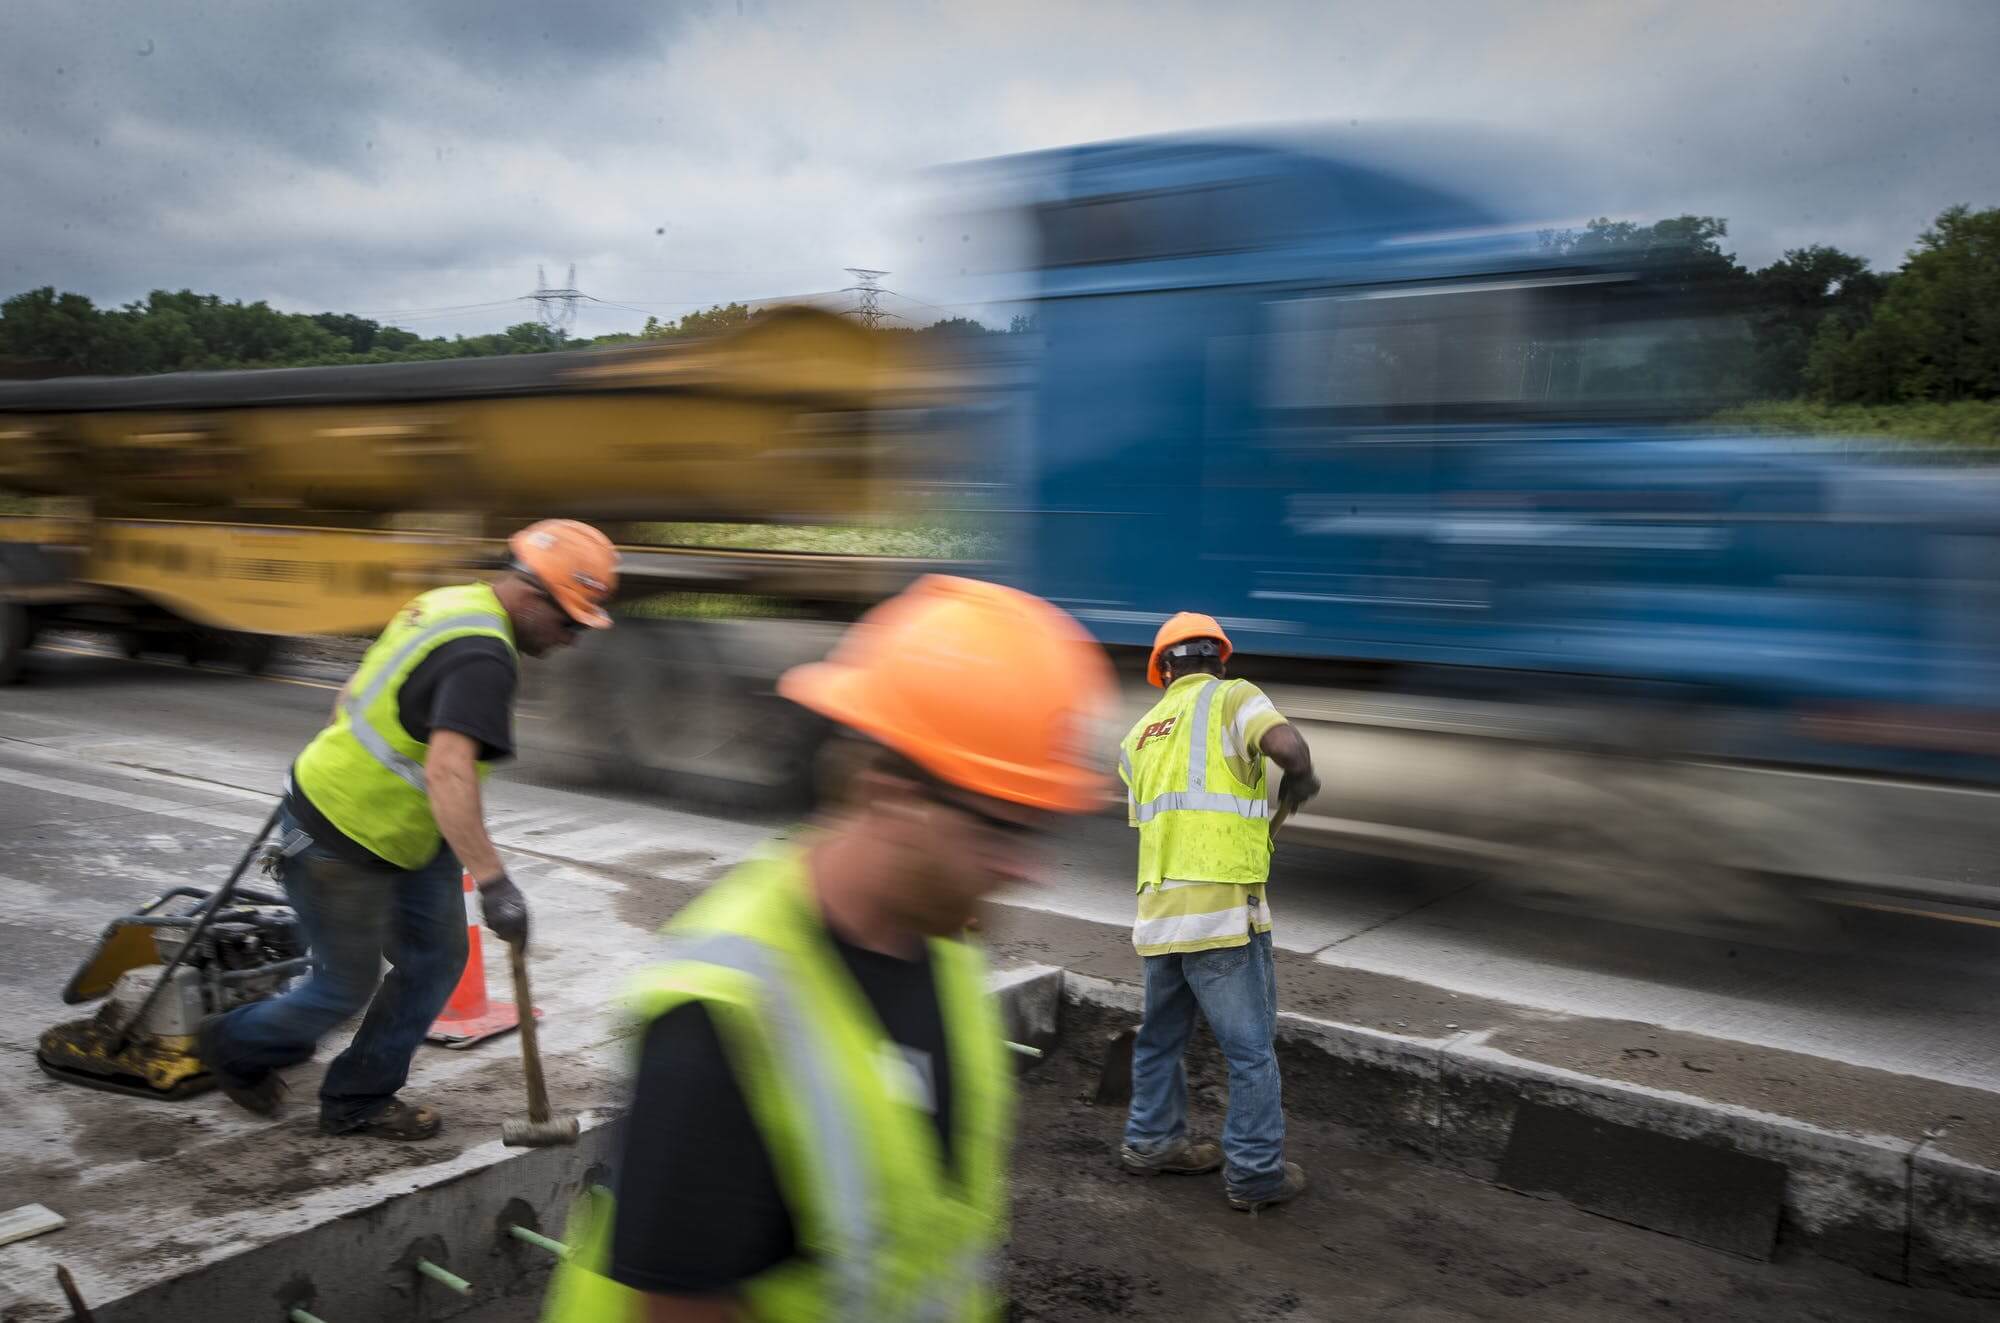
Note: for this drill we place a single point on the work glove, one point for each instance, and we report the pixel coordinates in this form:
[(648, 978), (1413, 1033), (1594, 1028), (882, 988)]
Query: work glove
[(1298, 789), (505, 910)]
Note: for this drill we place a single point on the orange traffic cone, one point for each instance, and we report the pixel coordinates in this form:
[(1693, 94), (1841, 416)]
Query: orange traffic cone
[(470, 1016)]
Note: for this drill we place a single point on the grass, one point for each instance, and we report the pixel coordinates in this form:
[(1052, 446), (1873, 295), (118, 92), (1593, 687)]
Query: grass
[(919, 541), (1965, 423)]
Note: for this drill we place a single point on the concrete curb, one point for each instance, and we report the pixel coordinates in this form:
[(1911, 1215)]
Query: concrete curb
[(1888, 1206), (347, 1259)]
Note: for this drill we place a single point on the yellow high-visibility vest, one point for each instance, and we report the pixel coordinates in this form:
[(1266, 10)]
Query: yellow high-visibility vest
[(364, 772), (885, 1232), (1202, 806)]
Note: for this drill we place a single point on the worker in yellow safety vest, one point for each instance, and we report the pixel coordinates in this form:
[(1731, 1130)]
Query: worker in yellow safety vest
[(820, 1123), (1195, 772), (382, 816)]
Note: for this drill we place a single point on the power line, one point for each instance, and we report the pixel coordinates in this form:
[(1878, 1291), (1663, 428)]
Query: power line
[(956, 310)]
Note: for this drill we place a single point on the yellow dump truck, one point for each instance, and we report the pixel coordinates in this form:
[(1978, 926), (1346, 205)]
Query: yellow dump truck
[(206, 514)]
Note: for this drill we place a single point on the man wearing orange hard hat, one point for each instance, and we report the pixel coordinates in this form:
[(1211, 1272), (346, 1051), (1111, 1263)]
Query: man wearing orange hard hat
[(821, 1120), (1195, 771), (382, 816)]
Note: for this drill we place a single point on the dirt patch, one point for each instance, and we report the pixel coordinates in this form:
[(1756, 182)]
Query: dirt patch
[(1380, 1235)]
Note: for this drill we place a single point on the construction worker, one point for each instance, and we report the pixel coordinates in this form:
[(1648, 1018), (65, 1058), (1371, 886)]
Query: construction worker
[(1195, 772), (821, 1120), (383, 811)]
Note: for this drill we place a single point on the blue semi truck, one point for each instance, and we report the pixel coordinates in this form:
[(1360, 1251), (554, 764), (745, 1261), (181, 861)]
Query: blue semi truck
[(1445, 482)]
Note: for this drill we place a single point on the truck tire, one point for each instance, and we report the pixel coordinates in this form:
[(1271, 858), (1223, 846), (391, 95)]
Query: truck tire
[(685, 709), (16, 637), (699, 720)]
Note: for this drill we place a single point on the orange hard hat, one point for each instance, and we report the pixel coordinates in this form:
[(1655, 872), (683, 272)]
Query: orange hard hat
[(987, 688), (574, 562), (1179, 629)]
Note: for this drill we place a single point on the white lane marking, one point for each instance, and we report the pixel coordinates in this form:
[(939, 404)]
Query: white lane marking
[(25, 904), (82, 753), (167, 808)]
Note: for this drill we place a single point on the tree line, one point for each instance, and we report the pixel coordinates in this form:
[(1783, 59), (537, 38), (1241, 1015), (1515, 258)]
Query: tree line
[(44, 332), (1821, 324)]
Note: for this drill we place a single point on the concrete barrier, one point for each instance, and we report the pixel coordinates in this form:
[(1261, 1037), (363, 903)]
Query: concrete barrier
[(1904, 1210)]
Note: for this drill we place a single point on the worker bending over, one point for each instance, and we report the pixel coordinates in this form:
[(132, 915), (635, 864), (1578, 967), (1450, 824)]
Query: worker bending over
[(823, 1110), (382, 812), (1195, 770)]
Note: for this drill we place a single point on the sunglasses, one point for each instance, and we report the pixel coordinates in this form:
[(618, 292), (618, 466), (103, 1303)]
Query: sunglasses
[(570, 624), (1009, 828)]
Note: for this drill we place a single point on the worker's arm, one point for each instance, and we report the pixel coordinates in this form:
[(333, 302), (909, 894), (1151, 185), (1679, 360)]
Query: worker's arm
[(1283, 745), (340, 699), (690, 1309), (452, 773), (451, 770)]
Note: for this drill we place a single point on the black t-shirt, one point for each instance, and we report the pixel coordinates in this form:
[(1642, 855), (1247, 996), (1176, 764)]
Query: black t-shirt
[(466, 685), (699, 1209)]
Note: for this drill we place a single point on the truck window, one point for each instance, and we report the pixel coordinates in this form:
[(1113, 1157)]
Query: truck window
[(1564, 344), (1132, 227)]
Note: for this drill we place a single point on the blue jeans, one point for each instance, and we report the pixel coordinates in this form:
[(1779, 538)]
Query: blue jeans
[(1236, 988), (353, 917)]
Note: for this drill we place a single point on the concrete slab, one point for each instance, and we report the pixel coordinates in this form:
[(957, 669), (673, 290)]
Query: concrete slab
[(177, 1218)]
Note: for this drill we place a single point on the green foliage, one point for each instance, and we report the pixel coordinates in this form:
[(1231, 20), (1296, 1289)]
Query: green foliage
[(1963, 422), (1683, 253), (46, 332), (716, 320), (1798, 295), (1934, 334)]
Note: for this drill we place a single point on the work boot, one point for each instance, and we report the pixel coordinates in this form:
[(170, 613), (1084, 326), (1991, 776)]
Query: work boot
[(1294, 1185), (259, 1097), (1183, 1159)]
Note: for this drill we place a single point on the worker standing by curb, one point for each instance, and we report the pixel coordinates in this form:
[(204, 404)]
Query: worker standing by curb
[(383, 811), (1195, 772), (821, 1122)]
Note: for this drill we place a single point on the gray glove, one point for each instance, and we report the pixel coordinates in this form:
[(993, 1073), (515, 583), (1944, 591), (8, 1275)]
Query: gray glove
[(1294, 791), (505, 910)]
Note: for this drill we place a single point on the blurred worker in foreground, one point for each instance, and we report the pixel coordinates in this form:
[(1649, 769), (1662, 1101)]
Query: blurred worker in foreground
[(1195, 770), (382, 812), (823, 1110)]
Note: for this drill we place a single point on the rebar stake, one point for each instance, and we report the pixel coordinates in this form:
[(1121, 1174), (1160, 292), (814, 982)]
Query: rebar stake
[(540, 1241), (1024, 1049), (301, 1316), (450, 1281)]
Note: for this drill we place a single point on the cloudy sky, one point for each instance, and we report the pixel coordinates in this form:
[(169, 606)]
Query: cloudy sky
[(415, 160)]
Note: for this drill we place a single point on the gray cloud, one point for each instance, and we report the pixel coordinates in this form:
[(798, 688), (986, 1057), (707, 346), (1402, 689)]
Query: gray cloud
[(383, 155)]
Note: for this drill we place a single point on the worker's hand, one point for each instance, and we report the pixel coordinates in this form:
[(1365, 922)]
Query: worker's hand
[(505, 910), (1298, 789)]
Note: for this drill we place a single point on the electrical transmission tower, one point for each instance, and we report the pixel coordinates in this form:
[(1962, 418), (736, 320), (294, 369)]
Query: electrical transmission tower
[(867, 291), (557, 307)]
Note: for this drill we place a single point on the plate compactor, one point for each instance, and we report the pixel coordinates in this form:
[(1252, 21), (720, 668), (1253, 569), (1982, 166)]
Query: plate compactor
[(183, 956)]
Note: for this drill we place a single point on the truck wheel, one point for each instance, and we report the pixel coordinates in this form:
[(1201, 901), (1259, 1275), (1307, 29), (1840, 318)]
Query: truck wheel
[(700, 720), (16, 637), (253, 652)]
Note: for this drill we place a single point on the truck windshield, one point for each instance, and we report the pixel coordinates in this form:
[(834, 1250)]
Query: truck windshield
[(1564, 345)]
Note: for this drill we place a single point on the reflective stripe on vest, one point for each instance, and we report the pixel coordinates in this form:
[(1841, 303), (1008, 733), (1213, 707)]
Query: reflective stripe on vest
[(835, 1146), (884, 1231), (365, 773), (1197, 819), (1180, 916), (364, 731)]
